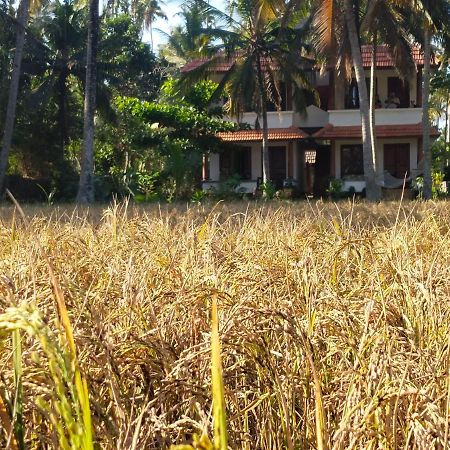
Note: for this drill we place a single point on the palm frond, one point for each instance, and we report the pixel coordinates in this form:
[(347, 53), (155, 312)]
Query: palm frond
[(242, 86), (324, 26)]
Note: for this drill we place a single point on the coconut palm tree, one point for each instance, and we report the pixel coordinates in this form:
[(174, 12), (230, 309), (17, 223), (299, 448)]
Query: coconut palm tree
[(62, 27), (428, 22), (336, 24), (382, 20), (189, 41), (262, 47), (86, 185), (22, 21), (434, 16), (152, 11)]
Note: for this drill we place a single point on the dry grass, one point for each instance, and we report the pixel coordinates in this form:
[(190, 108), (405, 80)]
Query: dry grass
[(334, 324)]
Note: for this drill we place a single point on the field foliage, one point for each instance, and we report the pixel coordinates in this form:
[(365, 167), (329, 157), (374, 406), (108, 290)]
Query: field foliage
[(333, 322)]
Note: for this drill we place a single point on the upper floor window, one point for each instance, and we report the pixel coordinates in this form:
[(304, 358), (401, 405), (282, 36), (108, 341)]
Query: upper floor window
[(398, 90), (352, 93), (394, 93)]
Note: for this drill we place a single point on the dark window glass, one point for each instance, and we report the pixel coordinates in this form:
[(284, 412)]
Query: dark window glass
[(400, 90), (352, 160), (236, 162), (352, 93)]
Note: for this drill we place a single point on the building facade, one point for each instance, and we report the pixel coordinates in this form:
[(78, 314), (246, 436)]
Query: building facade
[(308, 150)]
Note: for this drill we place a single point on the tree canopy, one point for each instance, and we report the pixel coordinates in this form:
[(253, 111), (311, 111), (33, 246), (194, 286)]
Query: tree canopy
[(150, 120)]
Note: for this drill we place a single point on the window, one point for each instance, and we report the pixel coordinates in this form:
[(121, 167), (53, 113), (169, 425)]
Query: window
[(352, 93), (352, 160), (396, 159), (400, 89), (236, 162)]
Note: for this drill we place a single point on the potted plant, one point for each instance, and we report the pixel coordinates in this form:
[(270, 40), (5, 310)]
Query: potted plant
[(334, 190)]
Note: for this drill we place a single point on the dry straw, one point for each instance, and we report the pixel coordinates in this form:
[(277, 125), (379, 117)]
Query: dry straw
[(334, 326)]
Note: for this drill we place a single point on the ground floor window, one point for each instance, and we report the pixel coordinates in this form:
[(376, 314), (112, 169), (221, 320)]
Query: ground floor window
[(396, 159), (352, 160), (236, 162)]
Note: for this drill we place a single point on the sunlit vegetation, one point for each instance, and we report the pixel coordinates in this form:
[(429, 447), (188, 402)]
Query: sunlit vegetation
[(333, 322)]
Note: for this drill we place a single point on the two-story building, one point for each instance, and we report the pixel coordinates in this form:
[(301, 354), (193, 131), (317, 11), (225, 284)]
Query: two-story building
[(310, 149)]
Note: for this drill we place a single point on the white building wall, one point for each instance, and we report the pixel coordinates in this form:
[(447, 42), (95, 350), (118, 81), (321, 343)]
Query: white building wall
[(214, 167), (256, 161), (383, 116)]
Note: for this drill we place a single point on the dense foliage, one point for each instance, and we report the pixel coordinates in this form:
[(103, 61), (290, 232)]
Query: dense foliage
[(145, 124), (150, 136), (154, 150)]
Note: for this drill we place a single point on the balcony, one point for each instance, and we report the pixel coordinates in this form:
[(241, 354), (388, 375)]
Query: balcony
[(275, 119), (383, 116), (314, 117)]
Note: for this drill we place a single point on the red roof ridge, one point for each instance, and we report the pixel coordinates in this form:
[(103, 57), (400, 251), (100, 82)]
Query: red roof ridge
[(384, 59), (275, 134)]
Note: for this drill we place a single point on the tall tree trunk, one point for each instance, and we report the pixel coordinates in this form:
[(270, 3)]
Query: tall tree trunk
[(446, 127), (447, 100), (22, 18), (62, 98), (265, 126), (427, 180), (373, 64), (373, 191), (86, 185)]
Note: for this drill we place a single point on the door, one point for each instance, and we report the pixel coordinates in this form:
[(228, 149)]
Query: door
[(401, 89), (277, 165), (322, 170), (396, 159)]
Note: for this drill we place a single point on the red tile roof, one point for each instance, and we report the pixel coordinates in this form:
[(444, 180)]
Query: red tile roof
[(275, 134), (382, 131), (221, 65), (384, 59)]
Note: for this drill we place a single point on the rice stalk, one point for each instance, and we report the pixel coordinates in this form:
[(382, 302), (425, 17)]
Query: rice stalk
[(18, 389), (218, 397), (333, 332), (66, 406)]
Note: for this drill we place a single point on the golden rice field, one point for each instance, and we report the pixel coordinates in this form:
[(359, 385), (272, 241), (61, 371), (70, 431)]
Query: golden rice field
[(334, 323)]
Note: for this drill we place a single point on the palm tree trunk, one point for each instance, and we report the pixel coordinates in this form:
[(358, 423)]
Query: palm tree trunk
[(22, 16), (265, 126), (427, 180), (86, 184), (62, 94), (373, 191), (447, 100), (373, 64)]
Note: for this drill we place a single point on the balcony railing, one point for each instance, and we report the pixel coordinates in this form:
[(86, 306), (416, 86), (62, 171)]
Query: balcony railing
[(314, 117), (275, 119), (383, 116)]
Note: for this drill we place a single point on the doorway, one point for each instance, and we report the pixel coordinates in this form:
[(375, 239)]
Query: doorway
[(277, 165), (396, 159), (401, 89)]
